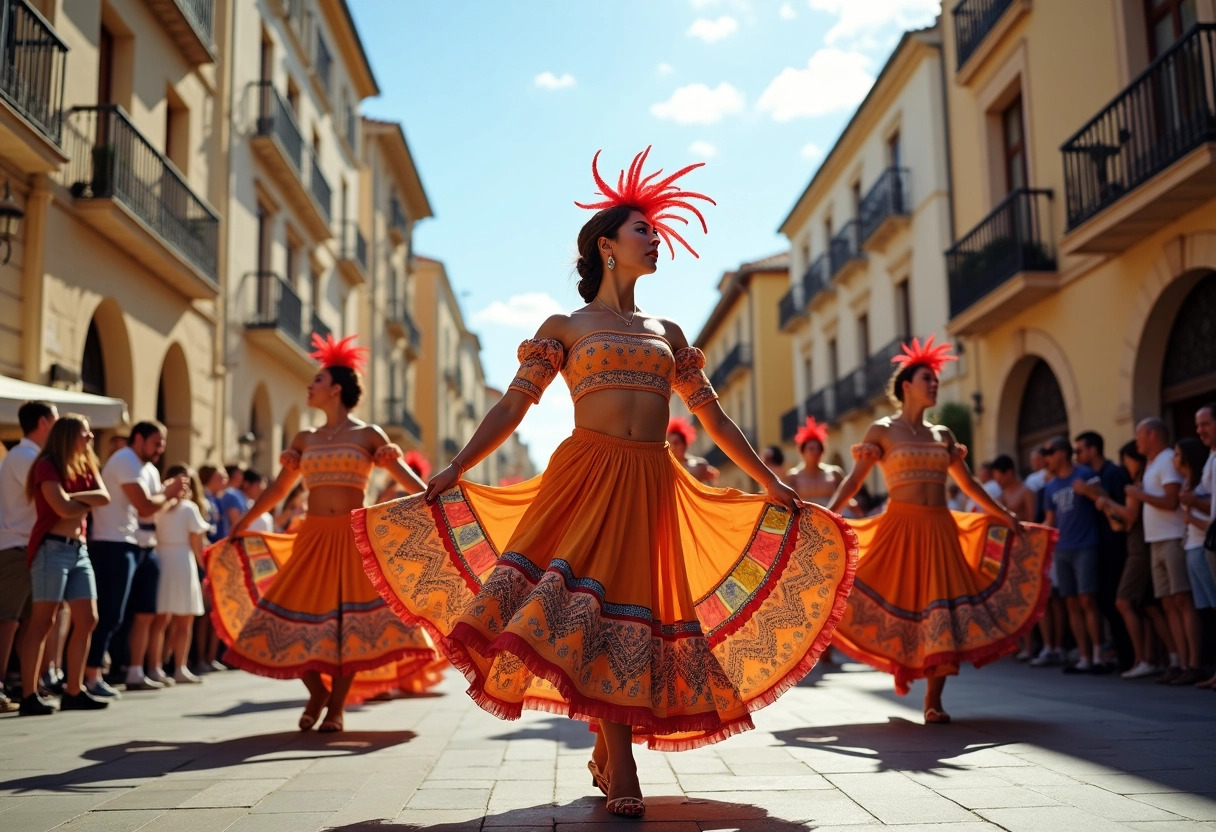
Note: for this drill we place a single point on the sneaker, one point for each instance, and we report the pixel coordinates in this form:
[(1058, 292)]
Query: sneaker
[(82, 701), (1079, 667), (1140, 671), (34, 705), (1046, 658), (102, 690), (143, 683), (218, 665), (185, 677), (163, 678), (1024, 656), (7, 705), (51, 683), (1170, 674)]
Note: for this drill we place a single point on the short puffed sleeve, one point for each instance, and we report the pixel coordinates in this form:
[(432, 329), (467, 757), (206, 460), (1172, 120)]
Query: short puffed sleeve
[(290, 459), (867, 451), (387, 454), (691, 384), (540, 359)]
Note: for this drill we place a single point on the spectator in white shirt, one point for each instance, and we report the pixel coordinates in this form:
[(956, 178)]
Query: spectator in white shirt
[(16, 523), (1164, 531), (1201, 506)]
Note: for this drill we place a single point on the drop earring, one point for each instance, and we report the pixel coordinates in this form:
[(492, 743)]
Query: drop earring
[(611, 262)]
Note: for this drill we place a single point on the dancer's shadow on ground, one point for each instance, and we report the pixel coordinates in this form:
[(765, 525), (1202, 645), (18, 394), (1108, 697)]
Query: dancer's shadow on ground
[(138, 759), (248, 707), (571, 733), (590, 810)]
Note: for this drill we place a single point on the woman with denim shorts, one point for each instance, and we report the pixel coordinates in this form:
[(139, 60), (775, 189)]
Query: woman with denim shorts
[(64, 486)]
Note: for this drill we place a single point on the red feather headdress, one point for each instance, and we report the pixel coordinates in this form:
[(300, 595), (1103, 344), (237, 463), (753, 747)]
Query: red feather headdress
[(682, 427), (417, 463), (657, 200), (334, 353), (811, 430), (933, 357)]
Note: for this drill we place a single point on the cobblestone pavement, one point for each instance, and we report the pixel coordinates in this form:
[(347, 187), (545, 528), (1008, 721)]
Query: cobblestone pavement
[(1030, 749)]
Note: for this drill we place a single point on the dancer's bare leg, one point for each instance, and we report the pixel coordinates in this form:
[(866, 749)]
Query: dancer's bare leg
[(1135, 629), (622, 770), (318, 694), (933, 699), (336, 707)]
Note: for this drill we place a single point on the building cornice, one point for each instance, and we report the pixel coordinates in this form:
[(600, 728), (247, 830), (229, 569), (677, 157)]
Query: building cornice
[(396, 150), (342, 27)]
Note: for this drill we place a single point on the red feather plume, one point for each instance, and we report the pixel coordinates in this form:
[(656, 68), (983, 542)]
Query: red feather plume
[(417, 463), (933, 357), (811, 430), (659, 200), (334, 353), (682, 427)]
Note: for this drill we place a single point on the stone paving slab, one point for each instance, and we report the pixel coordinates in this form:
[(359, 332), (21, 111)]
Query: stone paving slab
[(1028, 750)]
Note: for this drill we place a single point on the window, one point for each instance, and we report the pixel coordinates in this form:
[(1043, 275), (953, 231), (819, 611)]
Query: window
[(833, 362), (177, 131), (1167, 21), (264, 220), (903, 311), (895, 153), (266, 73), (105, 67), (1014, 143), (863, 336)]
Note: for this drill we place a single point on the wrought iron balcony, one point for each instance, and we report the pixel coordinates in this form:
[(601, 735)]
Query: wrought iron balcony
[(189, 23), (454, 378), (323, 63), (1161, 118), (470, 412), (399, 416), (845, 251), (879, 369), (791, 420), (739, 357), (884, 207), (319, 327), (850, 392), (398, 224), (820, 405), (451, 447), (399, 315), (33, 67), (112, 162), (352, 254), (817, 278), (278, 142), (1011, 241), (973, 20), (275, 321), (791, 307)]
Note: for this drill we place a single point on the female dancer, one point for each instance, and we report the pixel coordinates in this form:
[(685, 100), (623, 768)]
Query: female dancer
[(935, 588), (299, 606), (680, 436), (615, 588), (64, 486), (814, 481)]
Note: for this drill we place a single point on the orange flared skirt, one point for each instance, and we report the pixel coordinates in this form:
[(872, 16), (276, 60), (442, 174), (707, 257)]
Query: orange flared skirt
[(615, 586), (936, 588), (285, 604)]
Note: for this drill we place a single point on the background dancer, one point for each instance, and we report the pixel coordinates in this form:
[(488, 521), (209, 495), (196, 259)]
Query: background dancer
[(814, 481), (680, 436), (935, 588), (308, 609), (615, 588)]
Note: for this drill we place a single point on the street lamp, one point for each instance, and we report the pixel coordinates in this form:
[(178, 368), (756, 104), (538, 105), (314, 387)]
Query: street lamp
[(10, 218)]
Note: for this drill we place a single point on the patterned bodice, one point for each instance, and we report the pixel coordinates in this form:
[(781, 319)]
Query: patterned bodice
[(341, 464), (913, 462), (614, 360)]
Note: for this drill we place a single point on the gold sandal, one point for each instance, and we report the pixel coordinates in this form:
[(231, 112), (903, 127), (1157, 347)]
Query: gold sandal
[(934, 716), (597, 777), (628, 807)]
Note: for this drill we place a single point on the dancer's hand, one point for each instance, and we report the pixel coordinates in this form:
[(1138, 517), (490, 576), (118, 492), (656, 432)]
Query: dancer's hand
[(1015, 525), (441, 482), (783, 495)]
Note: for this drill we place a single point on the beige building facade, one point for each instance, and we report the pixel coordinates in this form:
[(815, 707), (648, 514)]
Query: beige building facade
[(748, 360), (866, 238), (1083, 276)]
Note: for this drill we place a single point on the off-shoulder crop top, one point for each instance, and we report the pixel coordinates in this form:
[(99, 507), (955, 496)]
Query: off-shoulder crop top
[(614, 360), (349, 465), (912, 462)]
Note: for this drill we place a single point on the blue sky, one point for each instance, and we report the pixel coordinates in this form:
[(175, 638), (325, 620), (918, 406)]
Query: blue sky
[(504, 102)]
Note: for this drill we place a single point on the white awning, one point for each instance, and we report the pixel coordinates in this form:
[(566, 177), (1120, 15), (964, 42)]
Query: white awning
[(102, 411)]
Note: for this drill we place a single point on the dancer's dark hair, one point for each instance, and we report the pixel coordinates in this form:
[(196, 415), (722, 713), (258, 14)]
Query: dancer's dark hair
[(590, 266), (895, 387), (350, 382)]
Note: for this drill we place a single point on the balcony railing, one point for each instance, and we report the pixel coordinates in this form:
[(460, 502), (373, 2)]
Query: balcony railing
[(845, 247), (1010, 240), (888, 198), (110, 159), (791, 420), (1164, 114), (276, 119), (739, 356), (817, 278), (324, 64), (200, 13), (413, 334), (319, 327), (819, 405), (850, 392), (790, 306), (321, 191), (973, 20), (397, 218), (399, 415), (33, 67), (450, 446), (275, 305), (879, 369), (354, 245)]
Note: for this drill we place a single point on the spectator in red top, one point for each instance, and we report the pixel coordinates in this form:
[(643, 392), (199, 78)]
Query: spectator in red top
[(64, 486)]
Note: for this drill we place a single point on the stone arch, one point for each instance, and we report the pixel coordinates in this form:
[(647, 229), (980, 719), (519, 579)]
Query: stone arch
[(116, 364), (175, 406), (1027, 348), (1183, 262), (262, 426)]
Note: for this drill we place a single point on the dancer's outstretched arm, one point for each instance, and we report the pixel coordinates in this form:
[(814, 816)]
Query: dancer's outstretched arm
[(288, 476), (727, 436), (499, 423), (863, 461), (974, 489)]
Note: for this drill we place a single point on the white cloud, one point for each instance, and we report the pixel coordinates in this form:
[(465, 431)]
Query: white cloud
[(786, 12), (868, 24), (527, 311), (549, 81), (812, 152), (712, 31), (702, 149), (698, 104), (833, 80), (665, 68)]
